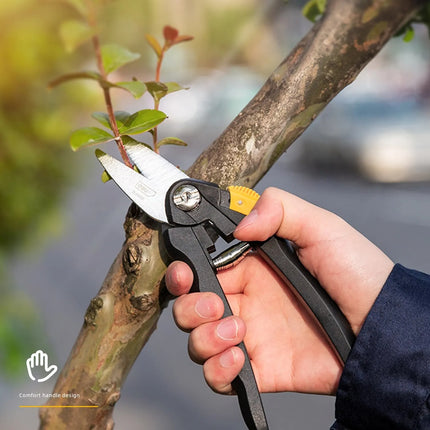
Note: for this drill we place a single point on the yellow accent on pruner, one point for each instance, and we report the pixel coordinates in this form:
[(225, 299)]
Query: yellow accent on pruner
[(242, 199)]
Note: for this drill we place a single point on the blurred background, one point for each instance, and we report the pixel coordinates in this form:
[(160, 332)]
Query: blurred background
[(367, 158)]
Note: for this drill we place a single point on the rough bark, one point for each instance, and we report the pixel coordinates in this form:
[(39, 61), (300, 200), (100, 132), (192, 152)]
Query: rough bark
[(123, 315)]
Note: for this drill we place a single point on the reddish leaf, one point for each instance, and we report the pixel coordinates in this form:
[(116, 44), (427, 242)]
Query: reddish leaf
[(170, 34), (184, 38), (172, 37)]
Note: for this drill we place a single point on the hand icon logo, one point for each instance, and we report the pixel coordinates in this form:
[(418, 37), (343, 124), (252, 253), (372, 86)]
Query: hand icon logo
[(38, 364)]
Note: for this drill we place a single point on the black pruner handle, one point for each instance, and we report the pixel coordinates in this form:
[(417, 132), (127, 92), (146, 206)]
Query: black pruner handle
[(281, 256), (186, 244)]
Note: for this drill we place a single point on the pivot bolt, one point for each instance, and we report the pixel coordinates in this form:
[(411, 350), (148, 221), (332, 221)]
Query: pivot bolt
[(186, 197)]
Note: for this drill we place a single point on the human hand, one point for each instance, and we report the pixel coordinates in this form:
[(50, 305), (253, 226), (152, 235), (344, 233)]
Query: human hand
[(287, 350)]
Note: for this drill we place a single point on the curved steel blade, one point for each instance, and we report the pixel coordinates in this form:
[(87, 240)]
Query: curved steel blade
[(153, 166), (148, 193)]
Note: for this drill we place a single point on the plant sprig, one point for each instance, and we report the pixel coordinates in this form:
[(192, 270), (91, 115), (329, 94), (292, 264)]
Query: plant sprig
[(156, 88), (119, 126)]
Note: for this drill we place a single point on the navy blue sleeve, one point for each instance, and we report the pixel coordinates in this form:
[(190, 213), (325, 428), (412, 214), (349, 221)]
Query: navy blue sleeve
[(385, 384)]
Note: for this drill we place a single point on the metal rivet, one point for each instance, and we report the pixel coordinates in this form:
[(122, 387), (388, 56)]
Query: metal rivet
[(186, 197)]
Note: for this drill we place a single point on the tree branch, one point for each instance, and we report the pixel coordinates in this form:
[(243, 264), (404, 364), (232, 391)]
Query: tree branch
[(326, 60), (121, 318)]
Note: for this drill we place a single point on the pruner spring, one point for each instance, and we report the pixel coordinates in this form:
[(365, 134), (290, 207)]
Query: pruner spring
[(231, 256)]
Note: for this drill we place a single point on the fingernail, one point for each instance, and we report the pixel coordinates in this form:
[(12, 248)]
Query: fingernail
[(250, 219), (227, 358), (227, 329), (204, 307)]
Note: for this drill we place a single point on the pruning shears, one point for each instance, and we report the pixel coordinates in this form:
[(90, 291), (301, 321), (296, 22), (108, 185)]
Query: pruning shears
[(194, 215)]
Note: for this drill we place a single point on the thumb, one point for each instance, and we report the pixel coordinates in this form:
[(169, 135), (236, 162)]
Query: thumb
[(280, 213)]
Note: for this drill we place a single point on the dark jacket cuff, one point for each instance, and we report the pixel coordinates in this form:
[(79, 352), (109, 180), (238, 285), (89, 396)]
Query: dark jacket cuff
[(385, 384)]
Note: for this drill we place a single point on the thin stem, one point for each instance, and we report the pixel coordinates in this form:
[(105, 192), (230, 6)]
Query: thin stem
[(106, 91), (160, 60), (155, 131), (156, 102)]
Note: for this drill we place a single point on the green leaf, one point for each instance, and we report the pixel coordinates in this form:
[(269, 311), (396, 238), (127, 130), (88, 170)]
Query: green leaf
[(174, 86), (121, 117), (88, 136), (409, 34), (153, 42), (103, 118), (142, 121), (135, 88), (115, 56), (171, 141), (75, 32), (157, 89), (105, 177), (313, 9), (160, 89), (321, 5)]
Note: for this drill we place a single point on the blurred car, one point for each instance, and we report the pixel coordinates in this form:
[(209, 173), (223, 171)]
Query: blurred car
[(384, 140)]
